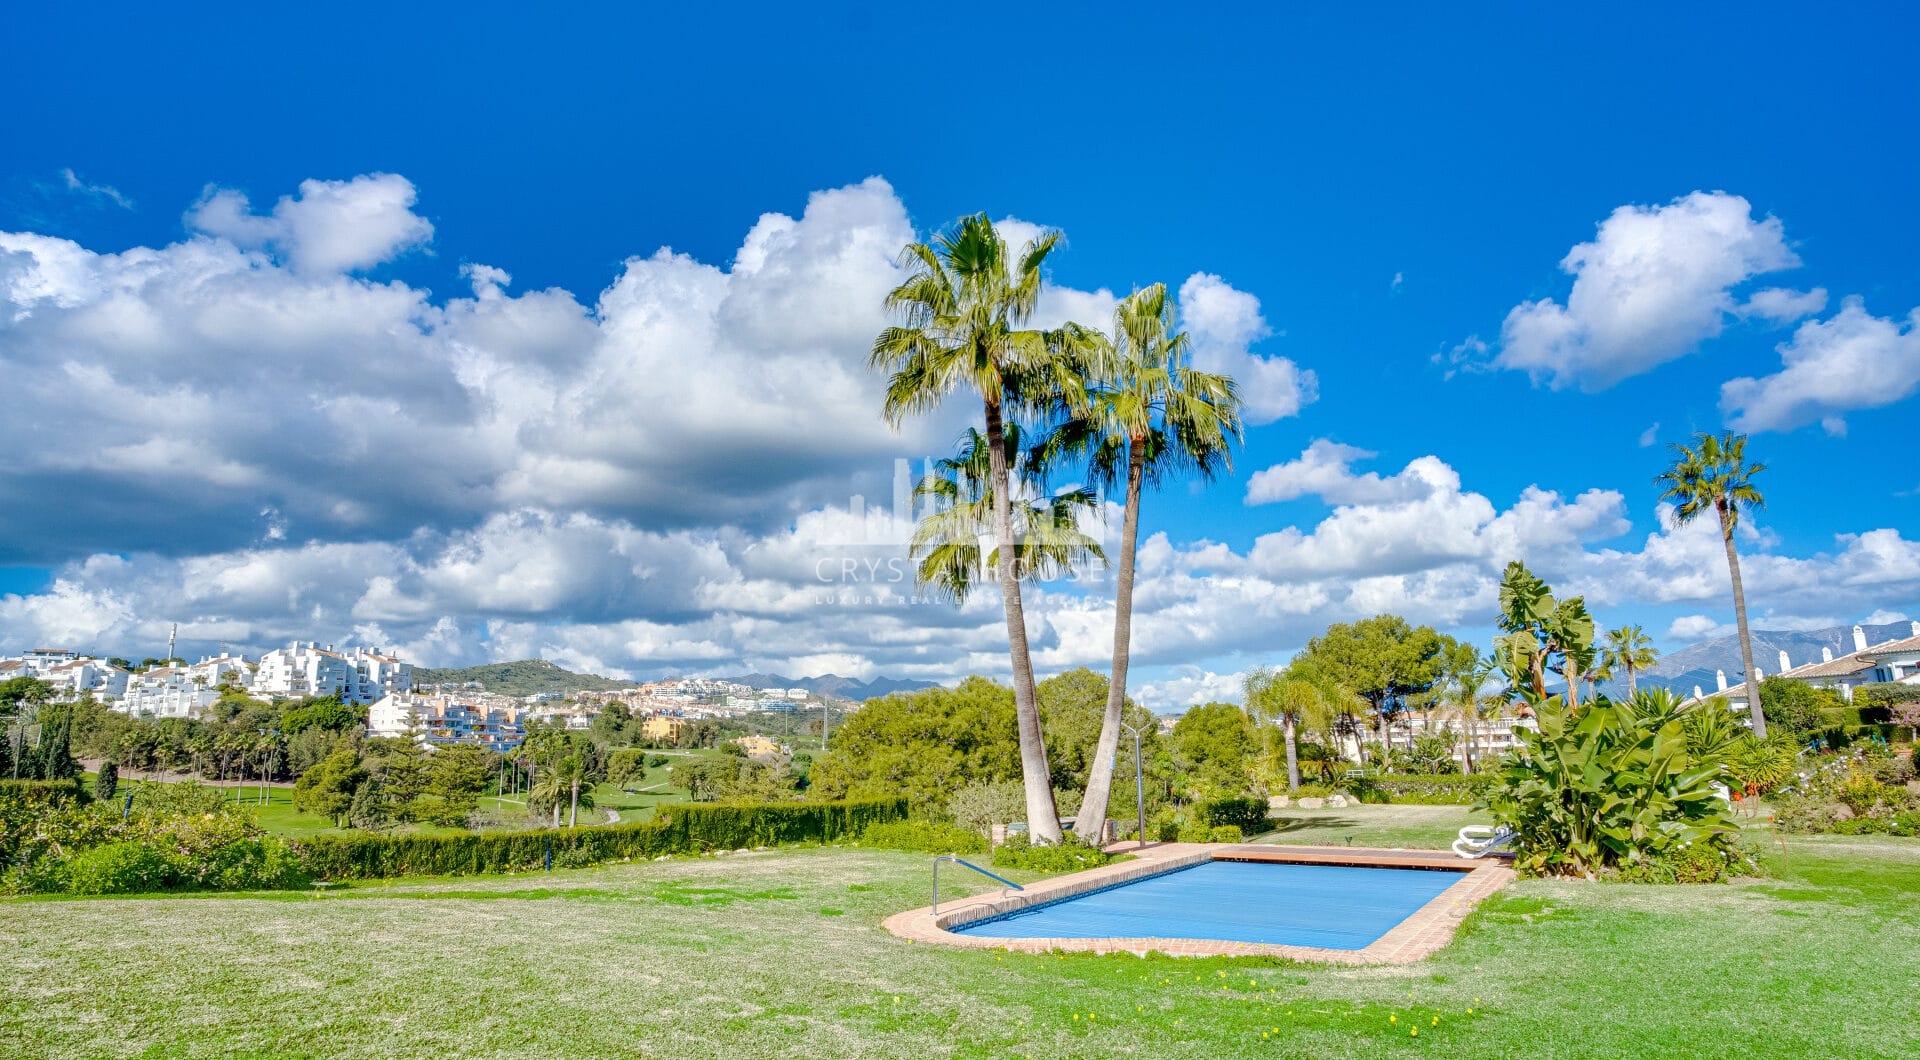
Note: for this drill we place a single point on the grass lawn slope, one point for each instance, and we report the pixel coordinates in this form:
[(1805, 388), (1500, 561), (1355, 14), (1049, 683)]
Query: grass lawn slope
[(781, 954)]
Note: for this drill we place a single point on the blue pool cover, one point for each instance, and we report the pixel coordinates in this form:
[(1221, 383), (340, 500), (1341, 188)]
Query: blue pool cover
[(1336, 907)]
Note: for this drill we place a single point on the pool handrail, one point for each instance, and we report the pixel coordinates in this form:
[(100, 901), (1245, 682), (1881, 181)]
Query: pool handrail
[(962, 861)]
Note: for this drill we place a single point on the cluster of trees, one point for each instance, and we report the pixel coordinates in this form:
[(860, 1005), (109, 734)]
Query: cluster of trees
[(1124, 410), (937, 745), (384, 781)]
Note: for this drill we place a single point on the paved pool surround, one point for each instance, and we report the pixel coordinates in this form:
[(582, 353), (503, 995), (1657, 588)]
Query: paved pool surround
[(1413, 939)]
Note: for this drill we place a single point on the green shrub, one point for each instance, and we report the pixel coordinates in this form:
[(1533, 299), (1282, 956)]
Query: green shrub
[(1693, 863), (1610, 786), (675, 830), (923, 836), (1456, 789), (67, 790), (1019, 853), (1850, 795), (106, 782), (1244, 816), (125, 867), (1225, 833)]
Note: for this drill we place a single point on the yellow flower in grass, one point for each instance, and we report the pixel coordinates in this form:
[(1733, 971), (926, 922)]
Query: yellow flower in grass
[(1414, 1033)]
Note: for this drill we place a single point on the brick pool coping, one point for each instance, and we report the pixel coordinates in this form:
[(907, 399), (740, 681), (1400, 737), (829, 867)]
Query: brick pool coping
[(1413, 939)]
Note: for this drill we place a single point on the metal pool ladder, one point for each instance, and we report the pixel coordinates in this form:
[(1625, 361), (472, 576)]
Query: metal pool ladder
[(961, 861)]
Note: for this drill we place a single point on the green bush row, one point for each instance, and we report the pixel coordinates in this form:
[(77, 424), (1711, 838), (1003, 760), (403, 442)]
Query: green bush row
[(676, 830), (52, 790), (1440, 790), (1019, 853), (925, 837)]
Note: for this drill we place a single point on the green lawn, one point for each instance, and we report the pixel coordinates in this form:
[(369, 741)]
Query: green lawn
[(278, 816), (1365, 825), (782, 954)]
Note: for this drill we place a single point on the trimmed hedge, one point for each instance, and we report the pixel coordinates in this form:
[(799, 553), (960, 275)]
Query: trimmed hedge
[(52, 790), (675, 830), (1248, 815), (1445, 790)]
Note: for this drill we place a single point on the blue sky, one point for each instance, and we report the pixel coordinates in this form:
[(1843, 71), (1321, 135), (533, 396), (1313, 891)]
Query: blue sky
[(1389, 184)]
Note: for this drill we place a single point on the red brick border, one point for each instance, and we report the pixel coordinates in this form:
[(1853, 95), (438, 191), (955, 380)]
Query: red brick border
[(1413, 939)]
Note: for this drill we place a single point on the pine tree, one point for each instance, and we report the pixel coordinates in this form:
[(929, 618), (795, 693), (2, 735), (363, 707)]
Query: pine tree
[(107, 782)]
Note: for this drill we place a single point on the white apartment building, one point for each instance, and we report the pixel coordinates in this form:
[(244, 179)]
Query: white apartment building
[(358, 675), (445, 719), (1895, 660), (222, 669), (167, 692), (85, 674)]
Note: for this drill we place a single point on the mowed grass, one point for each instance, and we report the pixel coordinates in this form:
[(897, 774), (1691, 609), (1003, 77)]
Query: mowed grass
[(1373, 825), (277, 814), (782, 954)]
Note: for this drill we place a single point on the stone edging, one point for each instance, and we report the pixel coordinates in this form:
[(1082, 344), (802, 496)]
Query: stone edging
[(1426, 930)]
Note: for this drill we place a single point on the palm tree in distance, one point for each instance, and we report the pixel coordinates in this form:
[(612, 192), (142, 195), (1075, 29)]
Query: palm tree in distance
[(947, 544), (570, 778), (1713, 475), (963, 311), (1630, 650), (1294, 702), (1150, 415)]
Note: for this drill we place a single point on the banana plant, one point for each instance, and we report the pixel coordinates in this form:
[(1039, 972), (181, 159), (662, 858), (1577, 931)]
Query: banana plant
[(1615, 784), (1540, 630)]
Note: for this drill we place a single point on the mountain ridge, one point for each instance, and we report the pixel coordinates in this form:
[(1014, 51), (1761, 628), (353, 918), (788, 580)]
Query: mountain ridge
[(1699, 664)]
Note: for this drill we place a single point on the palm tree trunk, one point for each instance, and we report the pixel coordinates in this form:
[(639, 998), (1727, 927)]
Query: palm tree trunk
[(1293, 752), (1092, 820), (1466, 722), (1631, 690), (573, 809), (1043, 820), (1740, 618)]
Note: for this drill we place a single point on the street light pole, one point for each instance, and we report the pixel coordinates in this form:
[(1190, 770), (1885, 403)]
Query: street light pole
[(1139, 786)]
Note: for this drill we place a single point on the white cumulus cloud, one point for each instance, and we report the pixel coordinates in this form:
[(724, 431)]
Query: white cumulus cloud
[(1854, 360), (1224, 323), (1654, 283)]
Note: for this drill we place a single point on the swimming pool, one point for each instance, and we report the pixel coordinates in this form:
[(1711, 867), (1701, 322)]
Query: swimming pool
[(1335, 907)]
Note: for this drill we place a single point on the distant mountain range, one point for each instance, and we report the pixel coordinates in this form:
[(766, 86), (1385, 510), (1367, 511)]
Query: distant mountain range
[(1697, 664), (833, 685), (532, 676)]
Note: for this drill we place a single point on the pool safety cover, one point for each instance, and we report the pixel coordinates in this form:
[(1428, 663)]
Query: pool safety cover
[(1336, 907)]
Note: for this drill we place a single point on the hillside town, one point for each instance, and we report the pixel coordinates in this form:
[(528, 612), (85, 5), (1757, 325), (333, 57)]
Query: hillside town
[(380, 681)]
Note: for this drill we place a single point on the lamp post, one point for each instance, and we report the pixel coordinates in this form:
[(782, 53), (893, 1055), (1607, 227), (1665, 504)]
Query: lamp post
[(1139, 786)]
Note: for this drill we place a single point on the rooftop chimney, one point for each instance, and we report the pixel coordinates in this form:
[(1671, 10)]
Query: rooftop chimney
[(1697, 694), (1720, 680), (1826, 654), (1784, 664), (1859, 639)]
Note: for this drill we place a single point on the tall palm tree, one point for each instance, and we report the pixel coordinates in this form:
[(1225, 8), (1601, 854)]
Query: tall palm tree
[(1713, 475), (1294, 702), (1150, 415), (571, 777), (1629, 649), (1457, 694), (947, 542), (963, 311)]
